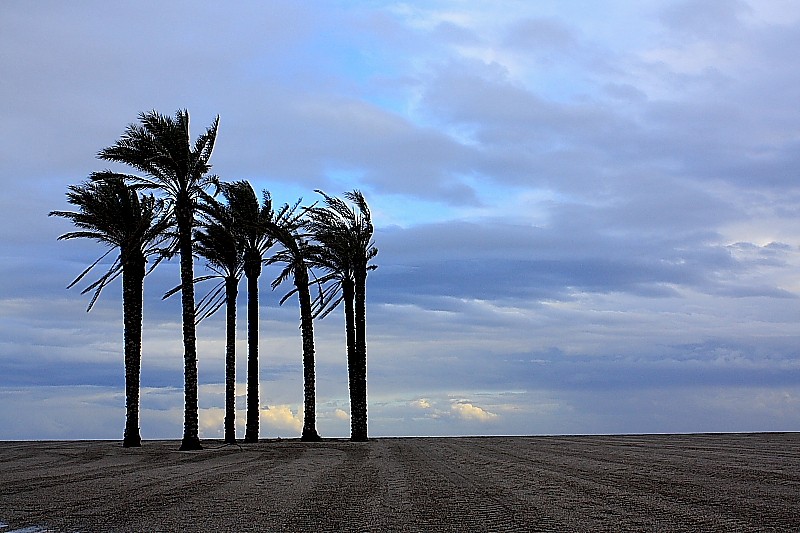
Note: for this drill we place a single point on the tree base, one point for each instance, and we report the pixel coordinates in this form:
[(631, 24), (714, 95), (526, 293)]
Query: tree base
[(190, 444), (310, 435), (132, 442), (358, 438), (250, 439)]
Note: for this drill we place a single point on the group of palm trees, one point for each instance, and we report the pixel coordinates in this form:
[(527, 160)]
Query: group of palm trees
[(325, 249)]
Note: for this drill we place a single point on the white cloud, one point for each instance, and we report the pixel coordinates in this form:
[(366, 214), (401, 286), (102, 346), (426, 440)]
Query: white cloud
[(212, 422), (280, 418), (422, 403), (467, 411)]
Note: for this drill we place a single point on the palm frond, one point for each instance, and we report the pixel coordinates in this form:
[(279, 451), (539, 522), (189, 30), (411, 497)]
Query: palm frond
[(114, 213), (211, 302), (282, 277), (88, 269), (174, 290), (100, 284)]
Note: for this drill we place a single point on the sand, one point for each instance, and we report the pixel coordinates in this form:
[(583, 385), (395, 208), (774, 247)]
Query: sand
[(710, 482)]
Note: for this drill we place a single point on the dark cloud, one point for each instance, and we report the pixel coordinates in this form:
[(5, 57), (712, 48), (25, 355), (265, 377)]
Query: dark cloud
[(496, 261)]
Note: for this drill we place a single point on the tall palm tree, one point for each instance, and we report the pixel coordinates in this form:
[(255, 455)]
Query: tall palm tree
[(344, 250), (113, 213), (250, 226), (295, 256), (160, 147), (215, 240)]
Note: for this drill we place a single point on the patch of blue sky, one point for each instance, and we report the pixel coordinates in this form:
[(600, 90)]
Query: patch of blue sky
[(404, 211), (495, 200), (337, 182), (346, 179), (407, 211), (327, 59), (362, 69), (284, 192), (388, 209)]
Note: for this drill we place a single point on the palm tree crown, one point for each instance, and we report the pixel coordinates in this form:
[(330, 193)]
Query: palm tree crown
[(344, 244), (112, 213), (160, 147)]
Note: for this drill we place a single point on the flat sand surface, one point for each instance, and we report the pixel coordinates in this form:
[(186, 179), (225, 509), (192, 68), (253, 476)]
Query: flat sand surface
[(709, 482)]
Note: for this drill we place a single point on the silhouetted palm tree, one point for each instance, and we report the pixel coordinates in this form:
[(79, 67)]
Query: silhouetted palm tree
[(161, 148), (251, 221), (215, 240), (295, 255), (114, 214), (344, 250)]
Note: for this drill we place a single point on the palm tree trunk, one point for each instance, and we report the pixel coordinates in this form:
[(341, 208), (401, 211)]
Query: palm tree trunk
[(359, 403), (309, 377), (252, 272), (231, 292), (350, 329), (191, 439), (133, 271)]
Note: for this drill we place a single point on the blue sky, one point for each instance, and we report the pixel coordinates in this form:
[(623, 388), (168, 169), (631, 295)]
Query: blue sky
[(587, 212)]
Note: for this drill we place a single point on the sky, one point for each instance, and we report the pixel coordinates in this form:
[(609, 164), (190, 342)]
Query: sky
[(586, 212)]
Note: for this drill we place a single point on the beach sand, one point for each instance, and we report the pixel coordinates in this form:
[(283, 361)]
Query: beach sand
[(708, 482)]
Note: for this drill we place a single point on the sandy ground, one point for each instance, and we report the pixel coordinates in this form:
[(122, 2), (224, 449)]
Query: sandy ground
[(717, 482)]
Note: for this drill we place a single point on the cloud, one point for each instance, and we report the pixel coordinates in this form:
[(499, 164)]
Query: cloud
[(212, 422), (445, 410), (422, 403), (279, 418), (533, 34), (707, 18), (467, 411)]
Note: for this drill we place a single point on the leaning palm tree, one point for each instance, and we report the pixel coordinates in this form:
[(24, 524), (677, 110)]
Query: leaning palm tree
[(295, 256), (215, 241), (160, 147), (344, 250), (113, 213), (250, 226)]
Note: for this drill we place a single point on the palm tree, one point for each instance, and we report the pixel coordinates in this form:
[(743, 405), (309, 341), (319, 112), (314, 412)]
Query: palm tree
[(251, 221), (295, 256), (160, 147), (114, 214), (216, 241), (344, 250)]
